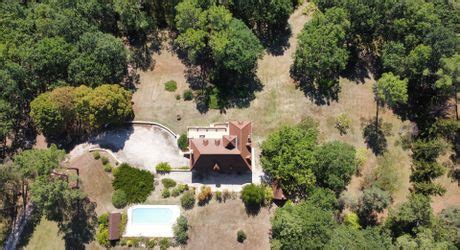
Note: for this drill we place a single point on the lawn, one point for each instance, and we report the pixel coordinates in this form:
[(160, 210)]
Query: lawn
[(46, 236), (214, 226), (278, 103), (95, 182)]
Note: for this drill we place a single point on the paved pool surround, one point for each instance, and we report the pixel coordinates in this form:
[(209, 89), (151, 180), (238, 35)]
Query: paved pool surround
[(151, 220)]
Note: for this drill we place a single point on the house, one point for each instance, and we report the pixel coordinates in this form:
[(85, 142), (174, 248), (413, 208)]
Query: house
[(221, 147)]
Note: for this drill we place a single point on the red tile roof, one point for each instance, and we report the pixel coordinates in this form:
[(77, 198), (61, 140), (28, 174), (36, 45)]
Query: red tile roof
[(231, 152)]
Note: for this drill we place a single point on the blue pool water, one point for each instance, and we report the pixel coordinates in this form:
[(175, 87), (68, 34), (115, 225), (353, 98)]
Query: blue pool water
[(152, 215)]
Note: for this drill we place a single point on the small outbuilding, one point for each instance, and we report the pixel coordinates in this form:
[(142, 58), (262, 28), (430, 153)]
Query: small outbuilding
[(114, 226)]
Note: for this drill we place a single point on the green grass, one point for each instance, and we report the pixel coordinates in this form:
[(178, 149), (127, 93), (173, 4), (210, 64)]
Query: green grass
[(46, 236)]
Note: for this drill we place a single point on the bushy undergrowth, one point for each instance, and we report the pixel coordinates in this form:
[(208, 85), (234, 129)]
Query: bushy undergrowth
[(136, 183)]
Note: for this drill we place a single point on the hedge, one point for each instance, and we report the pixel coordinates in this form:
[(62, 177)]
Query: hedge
[(136, 183)]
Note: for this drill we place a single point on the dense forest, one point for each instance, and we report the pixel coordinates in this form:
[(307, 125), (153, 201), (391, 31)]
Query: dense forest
[(68, 70)]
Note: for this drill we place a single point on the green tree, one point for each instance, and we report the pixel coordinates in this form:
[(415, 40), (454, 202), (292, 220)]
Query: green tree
[(304, 224), (390, 90), (449, 77), (344, 237), (374, 200), (335, 165), (323, 198), (49, 59), (414, 213), (7, 113), (180, 230), (108, 104), (288, 157), (321, 53), (425, 167), (265, 18), (212, 39), (136, 19), (253, 195), (102, 59)]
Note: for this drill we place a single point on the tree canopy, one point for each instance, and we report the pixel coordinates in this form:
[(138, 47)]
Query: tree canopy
[(321, 54), (288, 156), (80, 110)]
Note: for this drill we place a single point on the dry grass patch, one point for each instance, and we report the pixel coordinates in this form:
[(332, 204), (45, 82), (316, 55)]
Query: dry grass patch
[(96, 183), (215, 226)]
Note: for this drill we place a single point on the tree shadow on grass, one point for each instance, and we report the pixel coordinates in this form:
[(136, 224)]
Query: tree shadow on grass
[(29, 228), (228, 92), (80, 229), (276, 44), (318, 94), (374, 136)]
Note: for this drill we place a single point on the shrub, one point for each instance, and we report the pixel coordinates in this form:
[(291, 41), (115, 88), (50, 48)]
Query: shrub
[(182, 142), (104, 160), (240, 236), (96, 155), (108, 168), (136, 183), (119, 199), (213, 102), (218, 196), (102, 237), (343, 123), (170, 86), (163, 167), (103, 220), (178, 97), (351, 219), (175, 192), (164, 244), (268, 195), (226, 195), (165, 193), (187, 200), (124, 221), (253, 195), (168, 183), (180, 230), (361, 158), (205, 195), (151, 243), (188, 95), (182, 188)]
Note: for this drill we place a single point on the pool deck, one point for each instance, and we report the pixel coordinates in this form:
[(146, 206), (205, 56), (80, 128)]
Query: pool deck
[(151, 230)]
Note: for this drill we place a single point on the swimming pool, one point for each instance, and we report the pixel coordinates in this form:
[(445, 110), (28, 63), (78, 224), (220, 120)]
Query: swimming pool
[(151, 220), (148, 215)]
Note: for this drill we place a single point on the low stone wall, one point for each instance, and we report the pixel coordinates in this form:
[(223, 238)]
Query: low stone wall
[(157, 125), (107, 151)]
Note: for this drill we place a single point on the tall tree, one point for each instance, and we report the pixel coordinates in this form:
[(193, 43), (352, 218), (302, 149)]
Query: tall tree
[(449, 77), (425, 167), (102, 59), (334, 166), (288, 157), (300, 225), (321, 53), (390, 90), (265, 17)]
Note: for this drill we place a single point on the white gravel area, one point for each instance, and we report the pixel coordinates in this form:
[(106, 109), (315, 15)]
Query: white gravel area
[(141, 145)]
